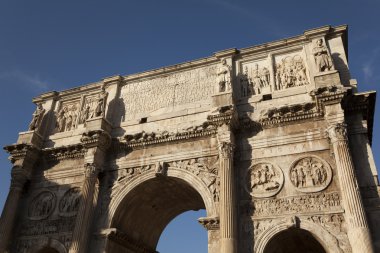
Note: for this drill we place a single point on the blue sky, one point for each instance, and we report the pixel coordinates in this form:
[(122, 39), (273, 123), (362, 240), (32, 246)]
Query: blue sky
[(53, 45)]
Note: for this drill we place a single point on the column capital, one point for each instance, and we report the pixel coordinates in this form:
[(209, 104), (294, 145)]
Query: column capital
[(91, 170), (226, 149), (337, 132), (18, 178)]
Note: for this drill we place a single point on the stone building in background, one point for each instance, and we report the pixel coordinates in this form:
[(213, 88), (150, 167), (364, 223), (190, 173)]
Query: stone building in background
[(273, 141)]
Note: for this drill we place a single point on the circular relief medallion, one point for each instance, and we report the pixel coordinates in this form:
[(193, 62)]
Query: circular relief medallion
[(42, 206), (69, 204), (264, 180), (310, 174)]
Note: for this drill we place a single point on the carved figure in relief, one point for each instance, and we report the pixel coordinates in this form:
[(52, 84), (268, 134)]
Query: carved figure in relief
[(224, 76), (310, 174), (42, 206), (61, 120), (291, 72), (321, 56), (245, 84), (264, 180), (37, 118), (85, 114), (100, 103), (69, 203)]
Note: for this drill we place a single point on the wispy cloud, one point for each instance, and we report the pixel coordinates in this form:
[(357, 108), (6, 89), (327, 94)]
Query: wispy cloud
[(368, 67), (33, 81)]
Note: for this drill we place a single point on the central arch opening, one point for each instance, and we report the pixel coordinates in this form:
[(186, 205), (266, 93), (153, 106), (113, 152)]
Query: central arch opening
[(147, 209), (294, 240)]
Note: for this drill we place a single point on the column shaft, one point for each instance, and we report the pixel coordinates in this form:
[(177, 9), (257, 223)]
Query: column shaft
[(227, 200), (8, 216), (358, 231), (83, 221)]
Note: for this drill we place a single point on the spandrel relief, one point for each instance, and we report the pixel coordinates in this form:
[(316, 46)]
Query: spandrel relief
[(264, 180), (255, 79), (42, 206), (310, 174), (290, 71)]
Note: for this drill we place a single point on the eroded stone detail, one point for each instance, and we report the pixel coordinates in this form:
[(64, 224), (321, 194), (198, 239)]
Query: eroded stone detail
[(47, 227), (290, 72), (67, 117), (37, 118), (42, 206), (210, 223), (310, 174), (224, 76), (321, 56), (264, 180), (320, 202), (69, 204)]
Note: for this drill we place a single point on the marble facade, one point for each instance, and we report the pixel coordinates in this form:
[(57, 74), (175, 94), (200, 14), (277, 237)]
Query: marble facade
[(273, 141)]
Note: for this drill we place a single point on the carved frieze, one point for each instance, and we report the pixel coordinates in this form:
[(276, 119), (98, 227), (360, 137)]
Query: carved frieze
[(42, 206), (319, 202), (290, 71), (69, 203), (46, 227), (93, 106), (310, 174), (264, 180), (65, 152)]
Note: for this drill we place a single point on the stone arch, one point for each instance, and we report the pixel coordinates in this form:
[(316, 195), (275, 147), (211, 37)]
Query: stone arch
[(48, 244), (325, 238), (147, 203), (185, 175)]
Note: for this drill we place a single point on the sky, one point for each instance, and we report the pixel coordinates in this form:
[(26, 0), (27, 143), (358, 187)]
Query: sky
[(50, 45)]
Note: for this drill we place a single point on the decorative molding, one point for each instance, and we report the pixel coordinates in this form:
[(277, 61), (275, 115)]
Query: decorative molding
[(19, 151), (143, 139), (210, 223), (128, 242), (65, 152), (96, 138), (337, 132)]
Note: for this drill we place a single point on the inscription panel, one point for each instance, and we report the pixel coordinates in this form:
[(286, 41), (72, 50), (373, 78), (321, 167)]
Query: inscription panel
[(141, 97)]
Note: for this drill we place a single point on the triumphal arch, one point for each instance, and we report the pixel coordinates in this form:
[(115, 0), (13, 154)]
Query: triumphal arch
[(273, 141)]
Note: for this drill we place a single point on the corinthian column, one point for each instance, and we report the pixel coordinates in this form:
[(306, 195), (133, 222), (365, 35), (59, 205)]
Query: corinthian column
[(86, 209), (358, 231), (10, 209), (228, 231)]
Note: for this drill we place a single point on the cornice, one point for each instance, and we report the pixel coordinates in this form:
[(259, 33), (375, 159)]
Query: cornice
[(143, 139), (65, 152), (210, 223), (19, 151)]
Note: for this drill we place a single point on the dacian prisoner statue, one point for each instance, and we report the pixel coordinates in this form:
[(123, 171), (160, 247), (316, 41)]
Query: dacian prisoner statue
[(273, 141)]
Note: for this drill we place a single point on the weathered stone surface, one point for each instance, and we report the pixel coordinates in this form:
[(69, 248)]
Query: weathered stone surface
[(272, 140)]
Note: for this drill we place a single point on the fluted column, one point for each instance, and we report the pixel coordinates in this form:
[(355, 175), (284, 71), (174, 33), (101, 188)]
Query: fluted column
[(358, 231), (228, 231), (86, 210), (10, 209)]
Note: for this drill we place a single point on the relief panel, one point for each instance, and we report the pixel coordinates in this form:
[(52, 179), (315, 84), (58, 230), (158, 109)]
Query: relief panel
[(290, 71), (264, 180), (310, 174), (255, 78), (42, 206)]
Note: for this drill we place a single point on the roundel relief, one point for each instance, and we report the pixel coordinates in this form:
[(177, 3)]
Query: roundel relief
[(310, 174), (41, 206), (264, 180), (69, 204)]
